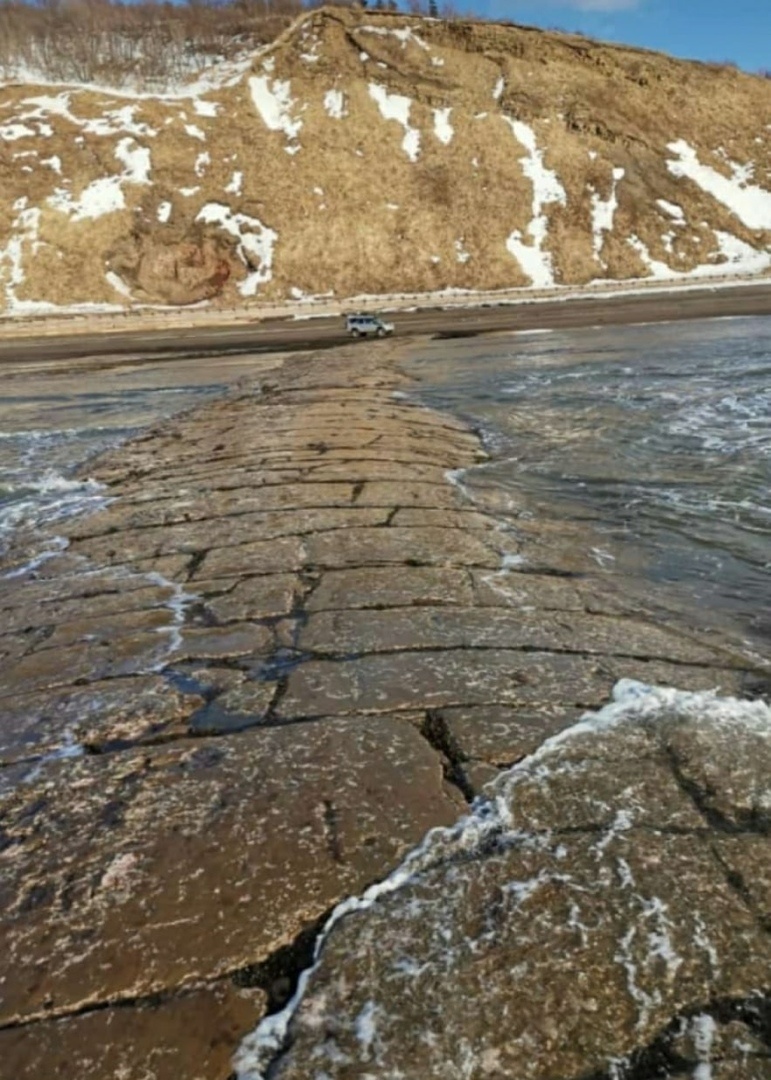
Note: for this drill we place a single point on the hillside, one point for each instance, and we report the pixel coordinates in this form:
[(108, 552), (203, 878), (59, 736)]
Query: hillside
[(369, 152)]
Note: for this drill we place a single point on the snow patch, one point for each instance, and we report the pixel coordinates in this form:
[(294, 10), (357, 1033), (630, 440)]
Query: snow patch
[(403, 34), (603, 212), (201, 163), (116, 122), (535, 262), (205, 108), (255, 243), (136, 161), (397, 107), (105, 195), (657, 269), (24, 233), (102, 196), (273, 101), (334, 103), (12, 132), (740, 258), (164, 212), (498, 89), (118, 284), (235, 184), (749, 202), (442, 127), (675, 212), (195, 132), (461, 255)]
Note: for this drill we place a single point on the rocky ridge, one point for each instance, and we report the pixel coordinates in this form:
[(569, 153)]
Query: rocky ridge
[(284, 649), (376, 153)]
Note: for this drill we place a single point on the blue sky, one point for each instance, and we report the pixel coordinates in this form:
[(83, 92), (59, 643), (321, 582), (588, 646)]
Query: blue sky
[(739, 30)]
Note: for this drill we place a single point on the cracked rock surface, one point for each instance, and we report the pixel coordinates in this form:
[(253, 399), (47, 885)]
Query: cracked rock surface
[(283, 650), (592, 918)]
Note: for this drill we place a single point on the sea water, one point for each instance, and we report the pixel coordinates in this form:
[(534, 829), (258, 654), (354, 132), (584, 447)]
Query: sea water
[(659, 436), (56, 417)]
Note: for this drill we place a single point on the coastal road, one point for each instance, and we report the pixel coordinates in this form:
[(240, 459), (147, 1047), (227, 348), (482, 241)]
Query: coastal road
[(290, 335)]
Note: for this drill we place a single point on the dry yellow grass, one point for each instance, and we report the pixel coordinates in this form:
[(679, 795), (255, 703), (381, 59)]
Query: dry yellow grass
[(352, 213)]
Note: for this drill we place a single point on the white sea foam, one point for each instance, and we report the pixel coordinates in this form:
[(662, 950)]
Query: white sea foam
[(177, 605), (55, 546), (69, 748), (632, 703)]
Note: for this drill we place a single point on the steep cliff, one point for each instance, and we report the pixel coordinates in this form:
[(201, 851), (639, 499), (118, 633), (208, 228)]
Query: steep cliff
[(370, 152)]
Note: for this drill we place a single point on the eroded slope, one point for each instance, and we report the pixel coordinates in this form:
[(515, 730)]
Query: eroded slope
[(369, 152)]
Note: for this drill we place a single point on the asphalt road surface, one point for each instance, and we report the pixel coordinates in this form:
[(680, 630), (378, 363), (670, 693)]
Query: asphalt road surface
[(287, 335)]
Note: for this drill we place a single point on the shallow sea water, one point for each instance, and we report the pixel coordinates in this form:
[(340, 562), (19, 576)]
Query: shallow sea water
[(55, 417), (659, 436)]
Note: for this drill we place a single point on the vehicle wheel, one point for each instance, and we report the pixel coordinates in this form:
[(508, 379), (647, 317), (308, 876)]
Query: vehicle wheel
[(380, 332), (355, 333)]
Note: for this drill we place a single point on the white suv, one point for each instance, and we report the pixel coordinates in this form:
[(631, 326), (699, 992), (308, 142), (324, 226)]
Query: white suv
[(364, 325)]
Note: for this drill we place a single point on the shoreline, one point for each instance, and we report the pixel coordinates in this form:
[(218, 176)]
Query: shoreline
[(517, 300)]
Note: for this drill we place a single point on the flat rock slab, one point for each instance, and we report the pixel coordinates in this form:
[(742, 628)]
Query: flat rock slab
[(464, 627), (437, 678), (577, 924), (127, 875), (138, 709), (192, 1036)]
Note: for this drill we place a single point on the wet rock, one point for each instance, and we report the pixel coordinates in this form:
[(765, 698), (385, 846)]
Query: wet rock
[(484, 629), (258, 598), (503, 734), (426, 547), (579, 924), (120, 711), (287, 648), (218, 642), (238, 708), (191, 1035), (224, 532), (379, 587), (130, 874), (437, 678), (130, 654)]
